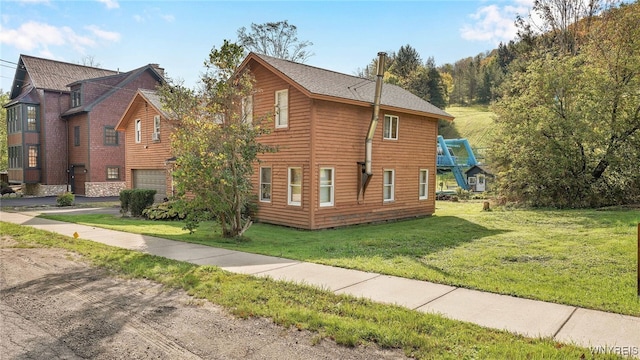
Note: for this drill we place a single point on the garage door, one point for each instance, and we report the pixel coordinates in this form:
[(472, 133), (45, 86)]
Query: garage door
[(153, 180)]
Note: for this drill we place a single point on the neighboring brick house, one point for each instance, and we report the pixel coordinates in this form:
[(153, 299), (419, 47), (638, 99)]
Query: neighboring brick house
[(148, 149), (60, 122), (321, 122)]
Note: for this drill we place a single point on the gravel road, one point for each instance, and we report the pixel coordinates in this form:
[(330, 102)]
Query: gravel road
[(55, 306)]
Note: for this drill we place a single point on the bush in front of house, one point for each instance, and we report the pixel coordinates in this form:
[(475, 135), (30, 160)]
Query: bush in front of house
[(168, 210), (65, 199), (135, 201)]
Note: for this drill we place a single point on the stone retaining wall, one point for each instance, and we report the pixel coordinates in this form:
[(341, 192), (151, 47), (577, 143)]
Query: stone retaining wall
[(100, 189), (43, 190)]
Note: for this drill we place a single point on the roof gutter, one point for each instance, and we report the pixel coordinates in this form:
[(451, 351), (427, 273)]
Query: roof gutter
[(367, 171)]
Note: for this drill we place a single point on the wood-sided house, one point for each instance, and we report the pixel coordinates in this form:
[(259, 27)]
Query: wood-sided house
[(148, 161), (61, 121), (320, 124), (321, 121)]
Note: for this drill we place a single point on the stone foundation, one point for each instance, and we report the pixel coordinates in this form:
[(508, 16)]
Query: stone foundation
[(43, 190), (100, 189)]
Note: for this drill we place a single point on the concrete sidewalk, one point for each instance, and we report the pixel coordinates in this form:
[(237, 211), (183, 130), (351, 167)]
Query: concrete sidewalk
[(598, 330)]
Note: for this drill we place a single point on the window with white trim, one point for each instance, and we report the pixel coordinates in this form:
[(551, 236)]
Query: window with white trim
[(388, 188), (424, 184), (156, 128), (75, 98), (326, 186), (390, 128), (138, 130), (295, 186), (282, 108), (247, 109), (265, 184)]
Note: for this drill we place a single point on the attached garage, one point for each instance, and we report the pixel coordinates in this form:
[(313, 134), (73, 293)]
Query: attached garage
[(153, 180)]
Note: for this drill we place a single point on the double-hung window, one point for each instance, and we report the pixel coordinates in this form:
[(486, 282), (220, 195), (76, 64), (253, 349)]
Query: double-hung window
[(390, 128), (110, 136), (138, 131), (247, 110), (424, 184), (326, 186), (295, 186), (156, 128), (34, 158), (113, 173), (282, 108), (265, 184), (32, 118), (75, 98), (388, 188)]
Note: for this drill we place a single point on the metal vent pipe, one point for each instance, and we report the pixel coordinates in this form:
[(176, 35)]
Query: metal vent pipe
[(376, 114)]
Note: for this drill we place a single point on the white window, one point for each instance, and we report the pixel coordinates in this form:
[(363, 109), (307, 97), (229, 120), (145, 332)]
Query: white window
[(156, 128), (282, 109), (265, 184), (388, 185), (247, 110), (138, 131), (424, 184), (326, 186), (295, 186), (390, 129), (218, 118)]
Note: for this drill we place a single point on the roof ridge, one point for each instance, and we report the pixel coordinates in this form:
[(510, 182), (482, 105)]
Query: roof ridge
[(67, 63), (315, 67)]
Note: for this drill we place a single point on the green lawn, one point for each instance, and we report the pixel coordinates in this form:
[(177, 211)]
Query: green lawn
[(347, 320), (475, 123), (584, 258)]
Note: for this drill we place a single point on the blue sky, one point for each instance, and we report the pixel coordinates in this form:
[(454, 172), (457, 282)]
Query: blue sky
[(178, 35)]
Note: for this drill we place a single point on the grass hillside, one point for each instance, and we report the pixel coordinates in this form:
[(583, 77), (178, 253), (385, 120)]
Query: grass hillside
[(475, 123)]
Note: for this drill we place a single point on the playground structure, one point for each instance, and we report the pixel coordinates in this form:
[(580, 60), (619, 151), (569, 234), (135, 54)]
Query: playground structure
[(455, 155)]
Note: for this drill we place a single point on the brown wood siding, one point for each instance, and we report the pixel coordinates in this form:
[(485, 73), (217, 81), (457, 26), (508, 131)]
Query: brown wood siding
[(15, 175), (294, 144), (329, 134), (340, 132), (147, 154)]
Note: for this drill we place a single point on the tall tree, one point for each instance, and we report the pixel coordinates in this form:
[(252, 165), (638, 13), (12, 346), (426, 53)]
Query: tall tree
[(277, 39), (215, 140), (569, 125), (406, 61)]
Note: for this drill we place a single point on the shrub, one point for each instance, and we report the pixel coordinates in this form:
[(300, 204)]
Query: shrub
[(168, 210), (65, 199), (125, 200), (135, 201)]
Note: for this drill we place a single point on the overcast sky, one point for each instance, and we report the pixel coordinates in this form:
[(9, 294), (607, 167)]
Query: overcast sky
[(178, 35)]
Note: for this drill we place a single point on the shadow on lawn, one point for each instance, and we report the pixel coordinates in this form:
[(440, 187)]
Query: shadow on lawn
[(410, 238)]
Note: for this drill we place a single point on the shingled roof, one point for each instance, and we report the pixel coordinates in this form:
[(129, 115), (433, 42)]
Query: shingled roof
[(53, 75), (113, 83), (317, 82)]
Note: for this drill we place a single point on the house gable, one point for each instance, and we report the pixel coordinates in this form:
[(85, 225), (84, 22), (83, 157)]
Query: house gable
[(323, 144), (328, 85)]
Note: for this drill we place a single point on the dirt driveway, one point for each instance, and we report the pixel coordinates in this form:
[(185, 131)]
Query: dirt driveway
[(54, 306)]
